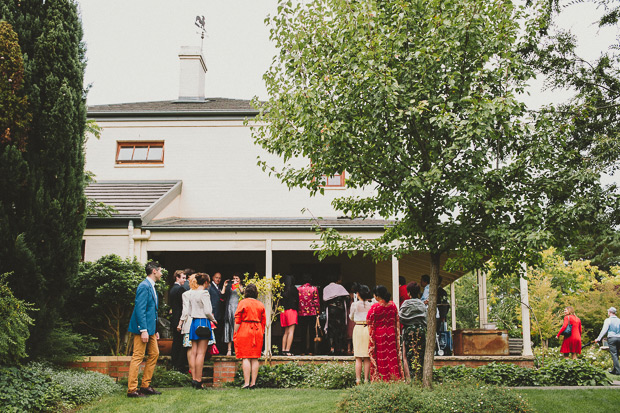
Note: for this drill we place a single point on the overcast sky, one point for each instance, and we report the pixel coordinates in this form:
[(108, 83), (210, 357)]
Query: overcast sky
[(133, 46)]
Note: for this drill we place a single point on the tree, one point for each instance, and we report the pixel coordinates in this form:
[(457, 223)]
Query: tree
[(102, 299), (14, 323), (417, 101), (52, 208), (543, 303), (589, 120)]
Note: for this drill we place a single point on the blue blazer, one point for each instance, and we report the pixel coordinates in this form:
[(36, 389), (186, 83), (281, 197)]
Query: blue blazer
[(144, 314)]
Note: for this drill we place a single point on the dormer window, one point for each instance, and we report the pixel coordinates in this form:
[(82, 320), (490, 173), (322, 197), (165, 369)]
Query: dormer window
[(140, 152)]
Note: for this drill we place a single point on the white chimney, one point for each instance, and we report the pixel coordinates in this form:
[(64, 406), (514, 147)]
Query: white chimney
[(193, 70)]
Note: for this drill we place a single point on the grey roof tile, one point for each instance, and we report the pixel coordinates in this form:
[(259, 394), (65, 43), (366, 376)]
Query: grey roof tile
[(131, 199), (209, 106)]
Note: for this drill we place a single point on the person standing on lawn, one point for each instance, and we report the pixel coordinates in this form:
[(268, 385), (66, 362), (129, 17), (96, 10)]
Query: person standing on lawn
[(175, 300), (611, 327), (571, 345), (143, 326), (250, 322)]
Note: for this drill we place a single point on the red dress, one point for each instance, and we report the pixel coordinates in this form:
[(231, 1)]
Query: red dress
[(571, 344), (384, 346), (248, 339)]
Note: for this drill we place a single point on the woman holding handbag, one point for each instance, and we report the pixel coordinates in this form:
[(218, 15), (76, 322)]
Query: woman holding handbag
[(200, 333), (571, 330)]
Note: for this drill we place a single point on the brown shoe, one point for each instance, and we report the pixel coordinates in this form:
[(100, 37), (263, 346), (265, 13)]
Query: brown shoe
[(135, 393), (149, 391)]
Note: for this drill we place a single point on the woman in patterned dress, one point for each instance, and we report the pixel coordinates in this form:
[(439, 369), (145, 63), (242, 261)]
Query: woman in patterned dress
[(384, 346), (412, 316)]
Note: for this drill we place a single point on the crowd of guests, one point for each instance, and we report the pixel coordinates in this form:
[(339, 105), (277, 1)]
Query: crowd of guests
[(207, 313), (364, 323), (387, 340)]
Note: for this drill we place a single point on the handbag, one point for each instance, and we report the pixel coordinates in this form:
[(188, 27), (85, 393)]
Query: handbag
[(568, 330), (317, 330), (203, 332)]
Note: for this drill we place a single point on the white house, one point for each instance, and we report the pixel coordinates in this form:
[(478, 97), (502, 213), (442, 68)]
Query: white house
[(184, 179)]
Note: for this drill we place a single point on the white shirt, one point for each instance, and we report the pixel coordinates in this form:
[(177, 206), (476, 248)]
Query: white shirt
[(153, 286), (611, 327)]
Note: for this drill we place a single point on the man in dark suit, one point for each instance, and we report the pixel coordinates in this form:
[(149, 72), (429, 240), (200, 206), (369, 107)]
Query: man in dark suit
[(143, 325), (175, 300), (215, 293)]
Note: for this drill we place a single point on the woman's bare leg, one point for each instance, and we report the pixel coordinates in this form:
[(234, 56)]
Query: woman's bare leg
[(246, 365), (289, 338), (358, 370), (255, 364), (366, 368), (199, 361)]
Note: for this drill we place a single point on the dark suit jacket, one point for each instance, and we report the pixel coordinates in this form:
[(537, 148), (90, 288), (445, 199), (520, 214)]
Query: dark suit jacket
[(216, 305), (175, 300)]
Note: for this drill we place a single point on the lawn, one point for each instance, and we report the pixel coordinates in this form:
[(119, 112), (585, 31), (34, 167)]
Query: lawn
[(566, 401), (305, 400), (223, 401)]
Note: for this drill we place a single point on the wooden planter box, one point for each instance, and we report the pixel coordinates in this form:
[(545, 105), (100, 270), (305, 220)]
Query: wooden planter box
[(480, 342)]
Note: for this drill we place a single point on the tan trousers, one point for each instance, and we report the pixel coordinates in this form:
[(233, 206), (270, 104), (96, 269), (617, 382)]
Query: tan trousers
[(139, 348)]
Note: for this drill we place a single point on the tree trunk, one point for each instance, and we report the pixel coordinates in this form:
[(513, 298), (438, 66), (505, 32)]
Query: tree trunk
[(431, 330)]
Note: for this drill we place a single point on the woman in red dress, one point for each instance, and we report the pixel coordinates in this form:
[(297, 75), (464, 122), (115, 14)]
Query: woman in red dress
[(250, 324), (571, 346), (384, 346)]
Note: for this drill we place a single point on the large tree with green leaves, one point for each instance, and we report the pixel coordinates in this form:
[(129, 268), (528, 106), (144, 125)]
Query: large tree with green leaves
[(416, 100), (589, 121), (51, 212)]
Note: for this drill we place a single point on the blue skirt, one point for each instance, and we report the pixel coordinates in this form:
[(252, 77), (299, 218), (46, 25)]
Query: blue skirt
[(198, 322)]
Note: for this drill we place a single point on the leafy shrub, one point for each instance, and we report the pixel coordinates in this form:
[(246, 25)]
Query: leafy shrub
[(573, 373), (14, 323), (164, 378), (38, 387), (78, 386), (454, 397), (287, 375), (27, 389), (65, 345), (554, 373), (593, 354)]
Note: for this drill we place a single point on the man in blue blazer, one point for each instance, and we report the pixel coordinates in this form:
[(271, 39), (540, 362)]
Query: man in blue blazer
[(143, 325)]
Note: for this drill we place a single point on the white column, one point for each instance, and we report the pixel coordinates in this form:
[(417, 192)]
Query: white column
[(453, 305), (485, 299), (130, 253), (268, 274), (525, 314), (395, 283), (481, 320)]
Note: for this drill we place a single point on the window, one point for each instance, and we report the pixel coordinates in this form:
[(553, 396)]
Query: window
[(333, 181), (140, 152)]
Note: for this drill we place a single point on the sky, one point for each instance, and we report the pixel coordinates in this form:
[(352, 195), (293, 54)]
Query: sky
[(133, 45)]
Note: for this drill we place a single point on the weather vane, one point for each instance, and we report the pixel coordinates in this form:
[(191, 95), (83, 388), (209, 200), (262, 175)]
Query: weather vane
[(200, 23)]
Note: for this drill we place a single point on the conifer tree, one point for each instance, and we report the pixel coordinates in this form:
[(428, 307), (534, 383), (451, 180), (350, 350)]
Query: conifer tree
[(53, 210)]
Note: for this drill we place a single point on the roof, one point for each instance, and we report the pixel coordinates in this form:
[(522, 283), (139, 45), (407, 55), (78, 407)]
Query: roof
[(267, 223), (208, 107), (134, 199)]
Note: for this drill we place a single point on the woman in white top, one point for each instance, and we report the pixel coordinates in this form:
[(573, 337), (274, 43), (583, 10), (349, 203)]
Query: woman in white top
[(359, 310), (199, 309)]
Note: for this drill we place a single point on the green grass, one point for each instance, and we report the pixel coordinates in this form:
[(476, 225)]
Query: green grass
[(566, 401), (223, 401), (305, 400)]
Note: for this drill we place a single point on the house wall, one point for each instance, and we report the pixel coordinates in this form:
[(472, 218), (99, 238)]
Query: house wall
[(217, 162), (100, 242)]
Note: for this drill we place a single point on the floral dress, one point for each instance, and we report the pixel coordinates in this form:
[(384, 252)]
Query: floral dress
[(384, 347)]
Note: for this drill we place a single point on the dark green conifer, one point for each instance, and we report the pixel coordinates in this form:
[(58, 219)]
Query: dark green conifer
[(53, 206)]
